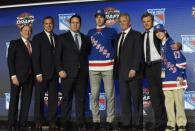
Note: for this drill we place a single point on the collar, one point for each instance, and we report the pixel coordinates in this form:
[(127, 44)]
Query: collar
[(24, 40), (103, 26), (73, 33), (127, 30), (47, 33)]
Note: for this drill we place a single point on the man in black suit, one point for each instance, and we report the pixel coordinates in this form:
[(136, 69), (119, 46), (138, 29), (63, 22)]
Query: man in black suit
[(21, 78), (128, 62), (152, 66), (43, 57), (72, 65)]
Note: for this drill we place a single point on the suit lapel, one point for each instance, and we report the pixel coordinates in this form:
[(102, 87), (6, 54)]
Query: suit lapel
[(72, 42), (21, 42)]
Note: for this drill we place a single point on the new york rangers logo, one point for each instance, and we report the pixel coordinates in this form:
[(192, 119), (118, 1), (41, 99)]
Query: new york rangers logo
[(64, 21), (188, 42), (159, 15), (102, 101), (189, 100)]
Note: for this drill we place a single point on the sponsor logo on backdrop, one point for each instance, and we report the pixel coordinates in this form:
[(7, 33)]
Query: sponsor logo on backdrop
[(189, 100), (111, 15), (64, 21), (188, 42), (102, 101), (193, 11), (7, 99), (7, 46), (146, 101), (159, 15), (24, 19)]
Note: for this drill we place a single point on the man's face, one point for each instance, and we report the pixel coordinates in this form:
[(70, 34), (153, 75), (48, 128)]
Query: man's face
[(99, 20), (147, 23), (26, 32), (124, 22), (48, 25), (75, 24)]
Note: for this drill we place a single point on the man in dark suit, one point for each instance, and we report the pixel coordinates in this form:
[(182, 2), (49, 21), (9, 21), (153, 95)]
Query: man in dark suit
[(152, 66), (72, 65), (128, 62), (43, 57), (21, 78)]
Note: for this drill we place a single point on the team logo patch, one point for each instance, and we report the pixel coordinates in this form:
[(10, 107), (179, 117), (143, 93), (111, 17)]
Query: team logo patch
[(64, 21), (111, 15), (159, 15)]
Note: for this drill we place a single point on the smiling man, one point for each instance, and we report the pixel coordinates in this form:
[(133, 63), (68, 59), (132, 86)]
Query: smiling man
[(43, 45)]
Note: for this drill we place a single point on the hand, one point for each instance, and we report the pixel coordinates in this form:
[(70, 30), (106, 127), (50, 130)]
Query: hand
[(132, 73), (180, 80), (62, 74), (15, 81), (39, 78)]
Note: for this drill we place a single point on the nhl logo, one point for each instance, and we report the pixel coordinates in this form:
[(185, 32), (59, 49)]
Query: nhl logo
[(24, 19), (111, 15), (193, 11)]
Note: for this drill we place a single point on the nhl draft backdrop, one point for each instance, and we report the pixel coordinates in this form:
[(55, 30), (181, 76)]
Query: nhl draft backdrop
[(178, 16)]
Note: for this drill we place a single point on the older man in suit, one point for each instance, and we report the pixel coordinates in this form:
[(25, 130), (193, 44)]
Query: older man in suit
[(21, 78), (128, 63), (44, 44), (72, 66)]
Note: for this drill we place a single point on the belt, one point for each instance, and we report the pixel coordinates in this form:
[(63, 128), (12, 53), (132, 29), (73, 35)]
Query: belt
[(152, 62)]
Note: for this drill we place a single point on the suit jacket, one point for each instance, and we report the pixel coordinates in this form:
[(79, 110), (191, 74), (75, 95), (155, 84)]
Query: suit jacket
[(130, 56), (19, 60), (69, 58), (43, 55)]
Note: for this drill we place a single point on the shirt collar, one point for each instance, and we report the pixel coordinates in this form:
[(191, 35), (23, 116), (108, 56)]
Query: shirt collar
[(73, 33), (47, 33), (127, 30), (24, 40), (103, 26)]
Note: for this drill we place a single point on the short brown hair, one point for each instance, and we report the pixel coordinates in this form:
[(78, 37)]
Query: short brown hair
[(126, 15), (147, 14)]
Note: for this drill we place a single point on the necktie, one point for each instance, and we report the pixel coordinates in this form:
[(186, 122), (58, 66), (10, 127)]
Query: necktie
[(76, 41), (148, 58), (29, 47), (121, 44), (51, 41)]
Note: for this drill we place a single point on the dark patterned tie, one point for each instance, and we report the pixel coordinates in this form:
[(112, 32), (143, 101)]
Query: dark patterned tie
[(148, 58), (121, 44), (76, 41), (51, 40)]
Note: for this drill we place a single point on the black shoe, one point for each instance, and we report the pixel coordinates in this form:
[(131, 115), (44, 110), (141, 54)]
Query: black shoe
[(125, 127), (12, 128), (157, 127), (81, 127), (38, 126), (53, 126), (108, 126), (181, 128), (96, 126)]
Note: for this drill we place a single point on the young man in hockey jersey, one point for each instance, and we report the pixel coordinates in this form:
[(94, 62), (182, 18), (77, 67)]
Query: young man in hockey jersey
[(101, 62), (173, 80)]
